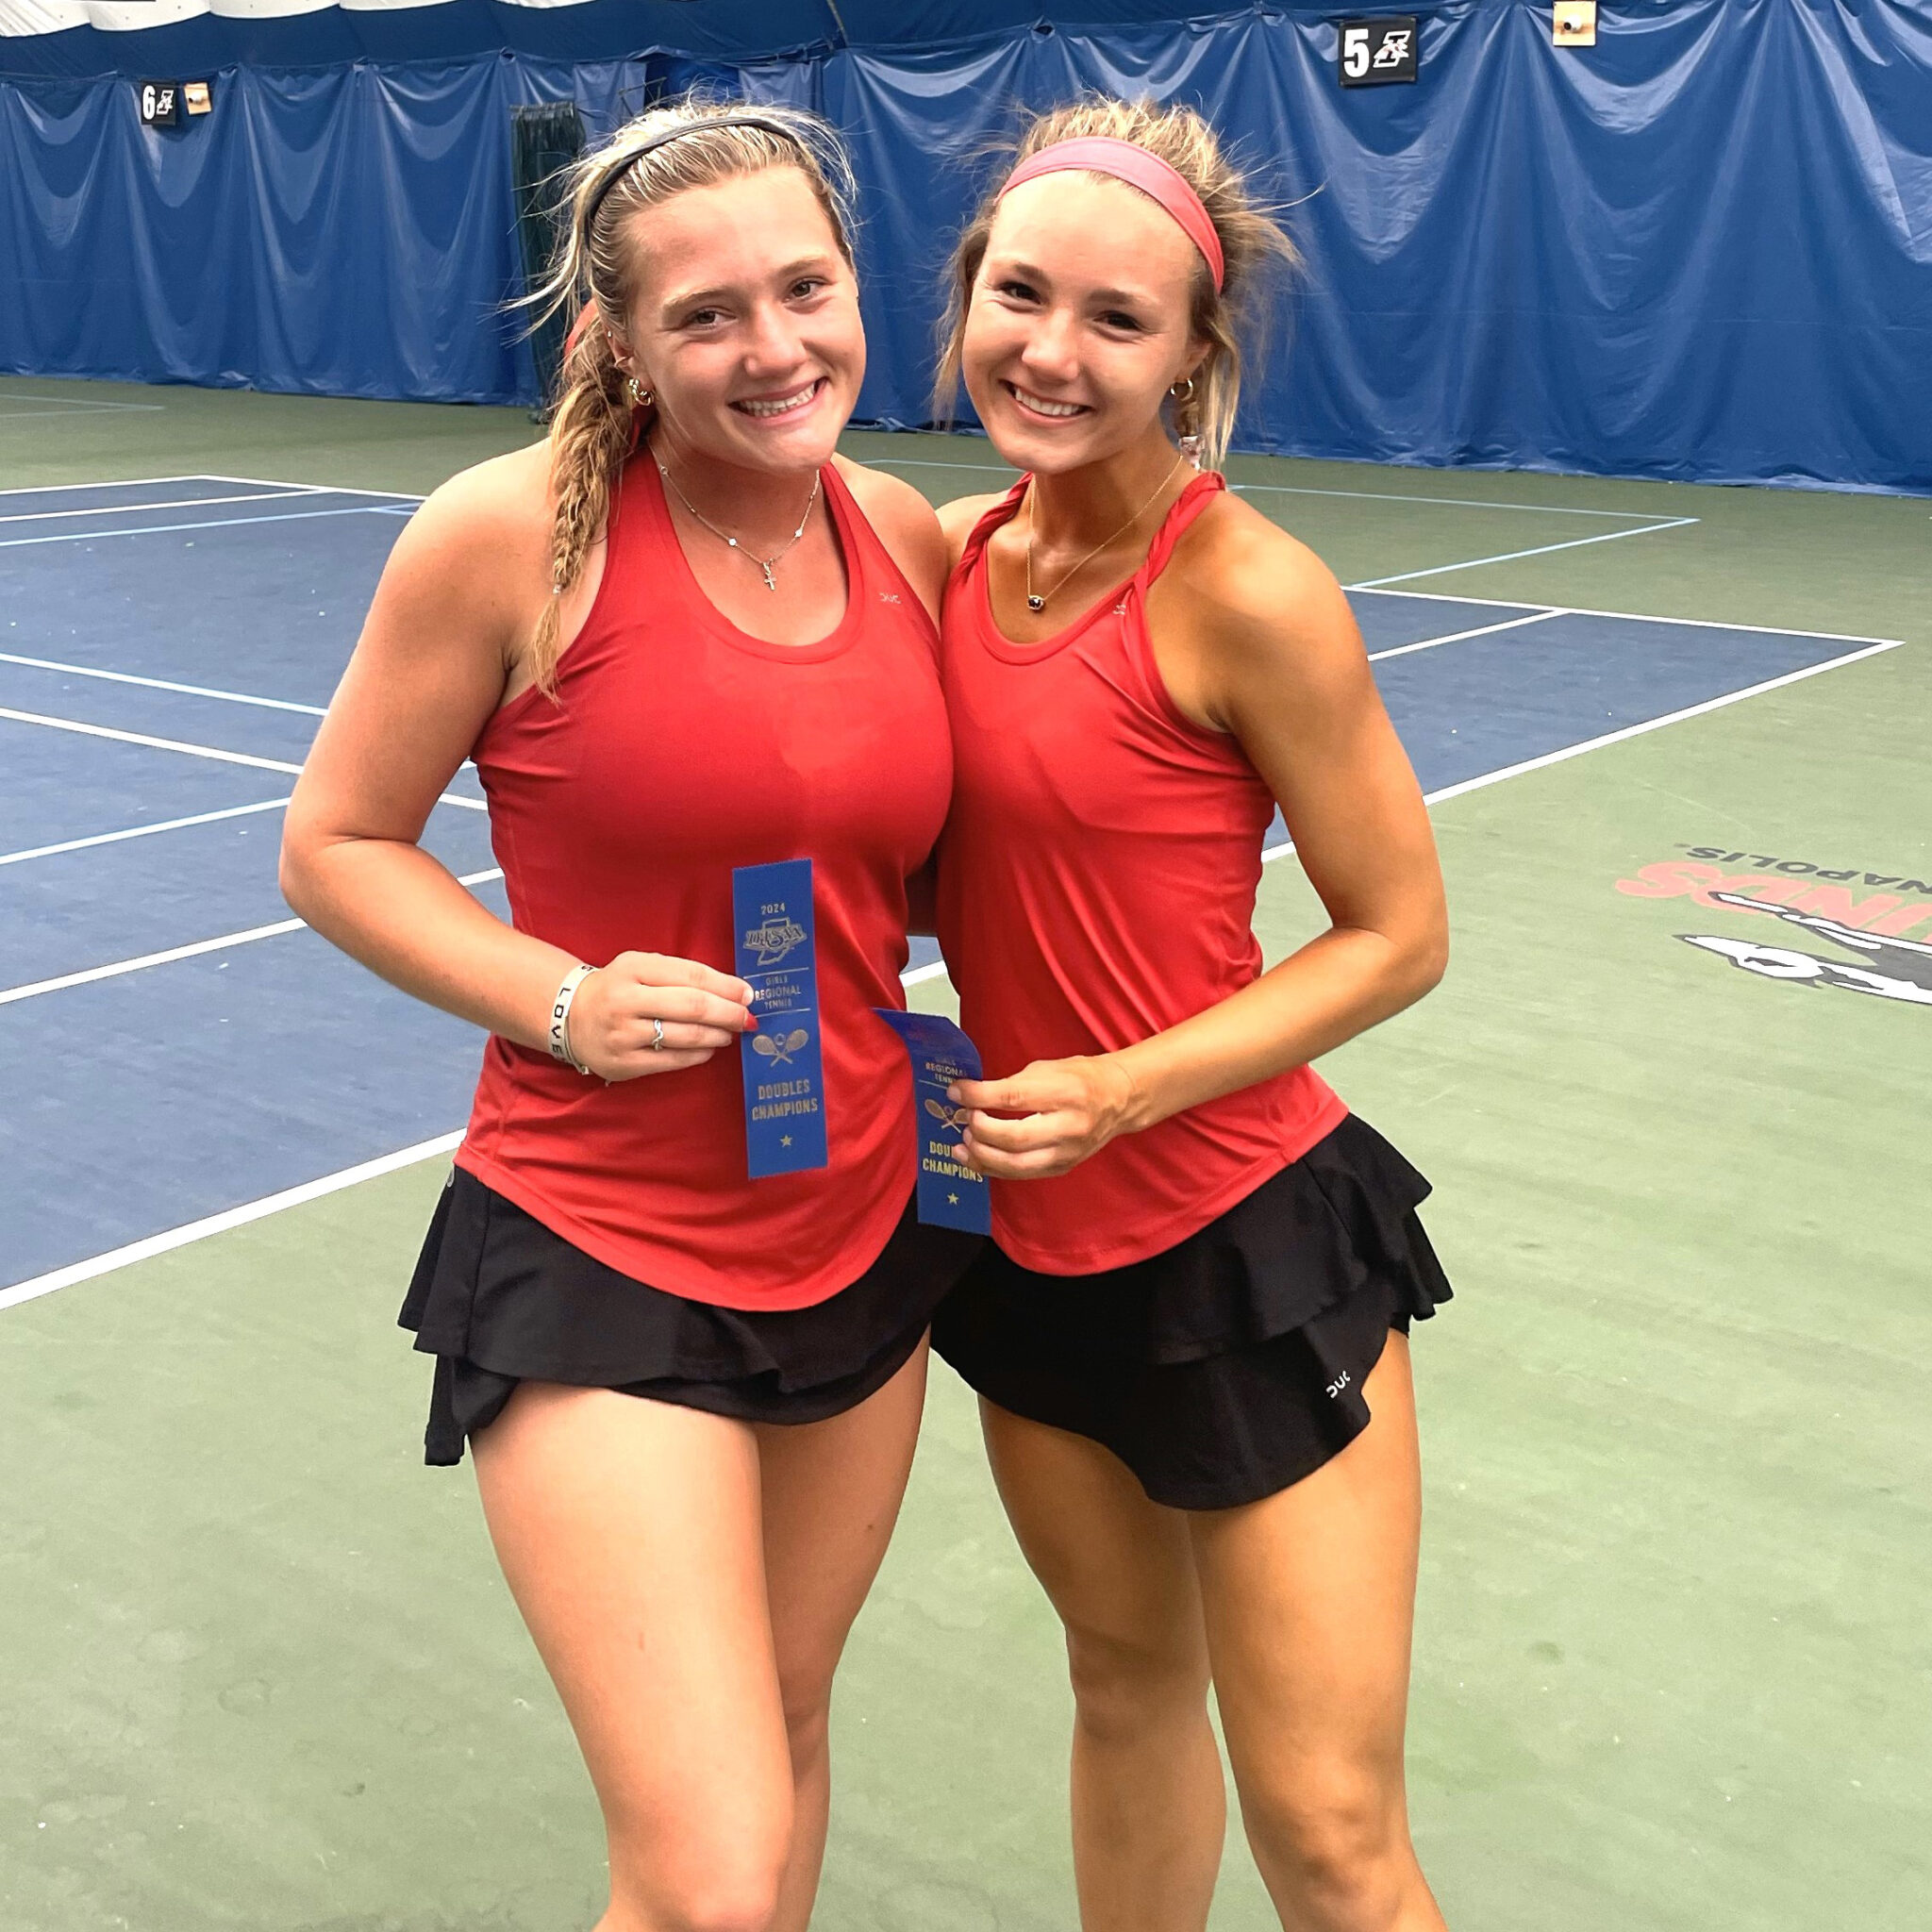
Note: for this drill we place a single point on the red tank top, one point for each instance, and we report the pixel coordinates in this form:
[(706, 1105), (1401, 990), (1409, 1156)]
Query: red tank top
[(1097, 886), (683, 747)]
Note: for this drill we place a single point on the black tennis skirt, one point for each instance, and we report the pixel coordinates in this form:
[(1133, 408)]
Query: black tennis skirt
[(498, 1299), (1232, 1364)]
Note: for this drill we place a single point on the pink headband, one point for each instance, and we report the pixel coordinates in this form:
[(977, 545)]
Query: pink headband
[(1104, 155)]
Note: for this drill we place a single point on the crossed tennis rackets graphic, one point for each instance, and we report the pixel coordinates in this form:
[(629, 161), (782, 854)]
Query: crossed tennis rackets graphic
[(777, 1049)]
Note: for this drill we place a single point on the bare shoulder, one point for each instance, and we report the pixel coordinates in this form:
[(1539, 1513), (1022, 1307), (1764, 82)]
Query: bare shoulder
[(884, 498), (1262, 597), (892, 506), (473, 560), (495, 513), (905, 523), (959, 518)]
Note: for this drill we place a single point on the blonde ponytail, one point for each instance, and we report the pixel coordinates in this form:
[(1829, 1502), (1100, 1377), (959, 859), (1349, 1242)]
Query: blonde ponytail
[(591, 433), (597, 420)]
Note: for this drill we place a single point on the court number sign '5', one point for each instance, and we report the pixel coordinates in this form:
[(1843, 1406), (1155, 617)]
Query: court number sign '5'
[(1373, 53)]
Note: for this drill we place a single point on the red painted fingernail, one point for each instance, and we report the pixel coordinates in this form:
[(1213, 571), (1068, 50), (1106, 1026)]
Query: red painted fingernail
[(751, 1022)]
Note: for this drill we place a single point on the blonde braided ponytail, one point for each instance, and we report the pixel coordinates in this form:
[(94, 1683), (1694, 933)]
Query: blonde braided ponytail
[(596, 420), (591, 433)]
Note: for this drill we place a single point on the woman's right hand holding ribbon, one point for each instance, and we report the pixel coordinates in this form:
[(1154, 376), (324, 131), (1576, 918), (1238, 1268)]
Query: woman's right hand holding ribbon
[(651, 1013)]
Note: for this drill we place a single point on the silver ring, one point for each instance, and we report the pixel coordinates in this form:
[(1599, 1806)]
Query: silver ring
[(657, 1036)]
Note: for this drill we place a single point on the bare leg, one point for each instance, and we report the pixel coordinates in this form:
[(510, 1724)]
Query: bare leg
[(1149, 1807), (832, 1491), (689, 1582), (630, 1532), (1309, 1598)]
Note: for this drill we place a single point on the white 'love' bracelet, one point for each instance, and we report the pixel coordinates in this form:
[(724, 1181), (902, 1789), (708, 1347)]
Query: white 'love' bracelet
[(560, 1016)]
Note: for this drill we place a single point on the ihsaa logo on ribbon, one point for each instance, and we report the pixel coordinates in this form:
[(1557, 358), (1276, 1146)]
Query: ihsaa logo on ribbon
[(771, 940), (784, 1078)]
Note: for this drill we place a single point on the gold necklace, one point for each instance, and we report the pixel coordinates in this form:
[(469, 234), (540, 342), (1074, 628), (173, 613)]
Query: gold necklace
[(1039, 602), (764, 563)]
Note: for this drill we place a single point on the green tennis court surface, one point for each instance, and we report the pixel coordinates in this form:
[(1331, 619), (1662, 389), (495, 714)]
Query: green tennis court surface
[(1672, 1664)]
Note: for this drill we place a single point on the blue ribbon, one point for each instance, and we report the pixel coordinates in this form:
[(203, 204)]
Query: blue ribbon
[(951, 1194), (784, 1078)]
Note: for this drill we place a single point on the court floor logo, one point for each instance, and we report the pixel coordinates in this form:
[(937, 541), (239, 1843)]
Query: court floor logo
[(1817, 900)]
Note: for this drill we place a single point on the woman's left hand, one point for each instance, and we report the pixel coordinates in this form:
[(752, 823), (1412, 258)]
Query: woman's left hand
[(1070, 1109)]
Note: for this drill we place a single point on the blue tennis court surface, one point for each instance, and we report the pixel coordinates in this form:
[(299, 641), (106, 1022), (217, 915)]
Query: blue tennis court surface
[(173, 1045)]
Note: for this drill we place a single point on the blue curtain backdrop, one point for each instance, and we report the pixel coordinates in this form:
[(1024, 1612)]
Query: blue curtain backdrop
[(1702, 249)]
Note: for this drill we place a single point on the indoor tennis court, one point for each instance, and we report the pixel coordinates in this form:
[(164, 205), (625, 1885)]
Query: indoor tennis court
[(1672, 1433), (1670, 1665)]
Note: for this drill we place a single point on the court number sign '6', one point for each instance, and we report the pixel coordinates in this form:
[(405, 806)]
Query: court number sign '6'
[(161, 103), (1373, 53)]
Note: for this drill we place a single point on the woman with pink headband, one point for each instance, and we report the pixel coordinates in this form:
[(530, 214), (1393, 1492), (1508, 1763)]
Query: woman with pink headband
[(1190, 1335)]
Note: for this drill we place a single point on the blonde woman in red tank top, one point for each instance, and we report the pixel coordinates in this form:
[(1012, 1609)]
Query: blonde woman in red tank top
[(683, 636), (1190, 1335)]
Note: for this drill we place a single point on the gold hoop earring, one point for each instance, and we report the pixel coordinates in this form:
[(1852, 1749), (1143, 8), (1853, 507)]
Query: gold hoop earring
[(640, 398), (1186, 420)]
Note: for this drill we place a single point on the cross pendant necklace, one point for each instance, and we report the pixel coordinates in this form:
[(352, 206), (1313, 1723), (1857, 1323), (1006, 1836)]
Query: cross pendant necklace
[(764, 563)]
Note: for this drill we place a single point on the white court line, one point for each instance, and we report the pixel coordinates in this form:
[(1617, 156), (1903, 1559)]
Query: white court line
[(116, 969), (206, 477), (140, 738), (1629, 731), (1511, 556), (1768, 631), (195, 751), (221, 1223), (35, 987), (200, 818), (270, 1204), (1555, 510), (1571, 751), (359, 509), (116, 509), (70, 410), (17, 395), (143, 483), (192, 691), (1552, 510), (1006, 470), (333, 488), (1495, 603), (1456, 637), (311, 1190), (328, 1184)]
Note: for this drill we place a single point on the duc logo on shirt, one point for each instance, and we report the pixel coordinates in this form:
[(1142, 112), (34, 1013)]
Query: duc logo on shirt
[(773, 940)]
